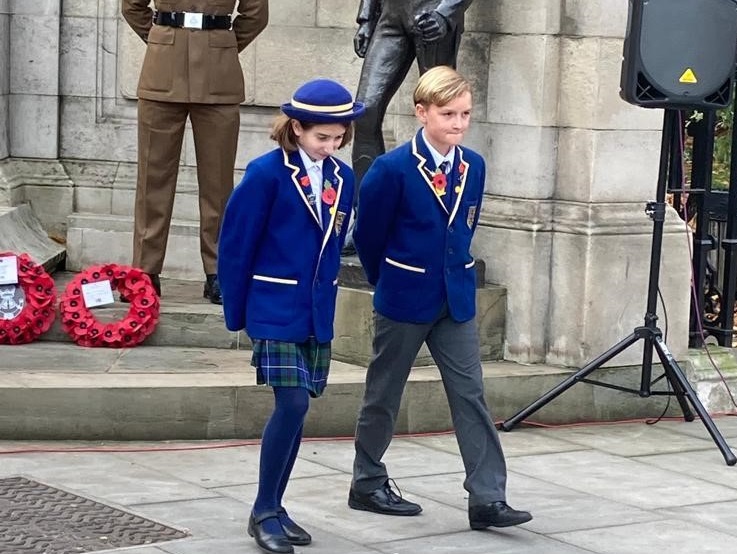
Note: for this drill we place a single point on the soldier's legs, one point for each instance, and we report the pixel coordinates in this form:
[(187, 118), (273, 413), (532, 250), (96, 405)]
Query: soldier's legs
[(160, 134), (215, 129)]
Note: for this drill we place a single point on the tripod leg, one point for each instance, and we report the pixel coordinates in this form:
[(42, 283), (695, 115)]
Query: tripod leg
[(688, 390), (572, 380), (680, 394)]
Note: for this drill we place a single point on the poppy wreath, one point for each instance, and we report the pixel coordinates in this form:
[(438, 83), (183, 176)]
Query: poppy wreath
[(85, 329), (26, 309)]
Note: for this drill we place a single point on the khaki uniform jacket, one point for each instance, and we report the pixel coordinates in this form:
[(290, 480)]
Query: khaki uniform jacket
[(193, 65)]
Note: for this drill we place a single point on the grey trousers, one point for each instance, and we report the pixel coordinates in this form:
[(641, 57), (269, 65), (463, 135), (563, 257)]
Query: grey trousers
[(455, 349)]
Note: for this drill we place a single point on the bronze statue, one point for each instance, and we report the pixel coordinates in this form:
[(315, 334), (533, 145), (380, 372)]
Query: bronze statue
[(391, 34)]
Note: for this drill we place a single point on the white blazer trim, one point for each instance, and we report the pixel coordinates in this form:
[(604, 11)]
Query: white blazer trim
[(470, 264), (462, 185), (405, 266), (334, 208), (295, 172), (275, 280), (423, 172)]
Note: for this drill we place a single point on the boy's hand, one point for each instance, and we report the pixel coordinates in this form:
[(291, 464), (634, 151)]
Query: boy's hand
[(431, 26), (363, 37)]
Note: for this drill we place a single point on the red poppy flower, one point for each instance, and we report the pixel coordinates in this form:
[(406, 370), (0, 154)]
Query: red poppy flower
[(461, 168), (304, 181), (439, 181), (329, 195)]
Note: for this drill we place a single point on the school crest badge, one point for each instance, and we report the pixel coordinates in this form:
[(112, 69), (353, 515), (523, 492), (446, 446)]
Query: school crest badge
[(471, 216), (339, 218)]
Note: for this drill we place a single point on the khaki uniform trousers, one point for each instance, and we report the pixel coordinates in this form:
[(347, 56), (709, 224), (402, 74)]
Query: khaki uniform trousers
[(160, 134)]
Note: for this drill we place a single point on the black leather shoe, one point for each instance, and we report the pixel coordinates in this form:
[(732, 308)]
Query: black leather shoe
[(155, 281), (212, 289), (268, 541), (496, 514), (383, 501), (294, 533)]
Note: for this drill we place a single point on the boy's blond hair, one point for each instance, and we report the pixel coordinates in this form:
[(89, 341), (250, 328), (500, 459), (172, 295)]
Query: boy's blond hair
[(439, 86), (283, 133)]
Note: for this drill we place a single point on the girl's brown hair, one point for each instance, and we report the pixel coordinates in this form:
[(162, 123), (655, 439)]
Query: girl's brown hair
[(283, 133)]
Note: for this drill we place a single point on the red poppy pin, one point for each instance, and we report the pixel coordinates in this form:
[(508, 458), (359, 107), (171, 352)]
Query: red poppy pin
[(328, 193), (461, 168), (304, 181), (439, 182)]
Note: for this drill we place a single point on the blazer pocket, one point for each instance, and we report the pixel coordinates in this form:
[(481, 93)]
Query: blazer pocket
[(400, 265), (272, 300)]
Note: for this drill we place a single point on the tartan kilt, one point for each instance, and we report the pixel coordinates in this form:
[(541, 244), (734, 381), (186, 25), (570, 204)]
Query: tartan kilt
[(289, 364)]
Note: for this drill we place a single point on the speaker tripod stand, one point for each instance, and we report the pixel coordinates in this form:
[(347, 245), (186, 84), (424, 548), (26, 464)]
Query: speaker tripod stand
[(649, 332)]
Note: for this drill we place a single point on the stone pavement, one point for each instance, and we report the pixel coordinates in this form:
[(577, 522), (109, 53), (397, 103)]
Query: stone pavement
[(610, 489)]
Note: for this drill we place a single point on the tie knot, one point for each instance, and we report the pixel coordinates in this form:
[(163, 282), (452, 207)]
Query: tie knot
[(445, 166)]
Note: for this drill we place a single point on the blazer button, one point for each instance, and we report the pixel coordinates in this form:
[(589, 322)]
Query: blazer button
[(450, 250), (451, 229)]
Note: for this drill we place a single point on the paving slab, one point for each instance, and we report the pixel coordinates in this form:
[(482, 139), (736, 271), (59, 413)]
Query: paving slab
[(624, 480), (555, 508), (678, 537), (514, 541), (583, 498), (721, 516), (700, 465), (633, 439)]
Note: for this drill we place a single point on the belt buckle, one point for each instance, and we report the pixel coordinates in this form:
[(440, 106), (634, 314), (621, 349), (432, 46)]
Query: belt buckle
[(192, 20)]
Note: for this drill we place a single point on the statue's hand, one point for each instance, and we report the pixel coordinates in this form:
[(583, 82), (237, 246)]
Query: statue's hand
[(362, 38), (431, 26)]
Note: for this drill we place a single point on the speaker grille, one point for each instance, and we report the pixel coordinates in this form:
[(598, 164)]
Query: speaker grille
[(646, 91)]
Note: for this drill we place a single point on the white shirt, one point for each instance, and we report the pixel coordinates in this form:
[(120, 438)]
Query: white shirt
[(437, 157), (314, 172)]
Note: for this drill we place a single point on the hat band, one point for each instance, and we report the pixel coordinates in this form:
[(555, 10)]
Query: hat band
[(322, 109)]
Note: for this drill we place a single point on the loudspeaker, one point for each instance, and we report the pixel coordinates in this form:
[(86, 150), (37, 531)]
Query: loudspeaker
[(680, 53)]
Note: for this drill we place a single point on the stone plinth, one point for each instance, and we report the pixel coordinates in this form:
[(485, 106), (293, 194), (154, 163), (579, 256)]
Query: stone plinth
[(21, 232)]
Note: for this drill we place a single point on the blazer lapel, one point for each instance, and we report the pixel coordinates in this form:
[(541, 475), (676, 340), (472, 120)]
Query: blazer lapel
[(331, 174), (293, 163), (421, 153), (461, 171)]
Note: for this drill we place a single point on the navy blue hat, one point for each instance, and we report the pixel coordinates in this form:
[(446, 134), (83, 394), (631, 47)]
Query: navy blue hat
[(323, 101)]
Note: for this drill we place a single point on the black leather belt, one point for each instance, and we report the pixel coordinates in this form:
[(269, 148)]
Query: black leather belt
[(190, 20)]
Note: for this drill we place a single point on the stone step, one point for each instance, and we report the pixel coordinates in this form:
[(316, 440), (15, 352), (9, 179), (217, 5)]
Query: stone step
[(59, 391), (21, 232), (188, 320)]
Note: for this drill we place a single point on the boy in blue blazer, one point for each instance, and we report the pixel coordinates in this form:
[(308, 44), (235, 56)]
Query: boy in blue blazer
[(278, 261), (418, 208)]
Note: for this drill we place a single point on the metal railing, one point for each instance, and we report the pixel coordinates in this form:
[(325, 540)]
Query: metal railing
[(712, 215)]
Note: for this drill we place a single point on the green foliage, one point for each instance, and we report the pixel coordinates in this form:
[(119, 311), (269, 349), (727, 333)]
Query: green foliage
[(722, 146)]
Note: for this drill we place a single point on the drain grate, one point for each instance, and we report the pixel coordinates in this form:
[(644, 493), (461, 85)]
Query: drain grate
[(37, 518)]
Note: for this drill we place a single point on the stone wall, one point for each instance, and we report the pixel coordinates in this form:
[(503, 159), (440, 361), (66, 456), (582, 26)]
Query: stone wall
[(570, 165), (4, 78)]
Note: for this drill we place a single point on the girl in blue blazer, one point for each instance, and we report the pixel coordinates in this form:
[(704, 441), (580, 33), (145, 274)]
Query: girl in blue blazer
[(278, 261)]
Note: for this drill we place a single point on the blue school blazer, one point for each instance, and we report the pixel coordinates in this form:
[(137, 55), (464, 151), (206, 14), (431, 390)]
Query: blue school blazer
[(277, 266), (414, 249)]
